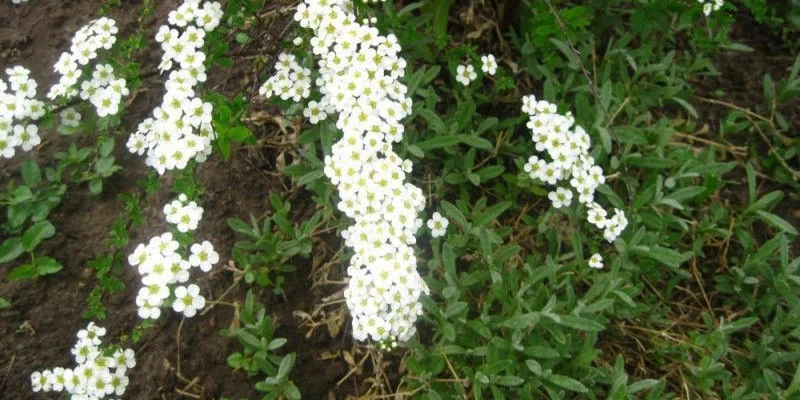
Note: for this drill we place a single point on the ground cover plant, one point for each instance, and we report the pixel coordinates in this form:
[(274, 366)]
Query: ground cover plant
[(434, 199)]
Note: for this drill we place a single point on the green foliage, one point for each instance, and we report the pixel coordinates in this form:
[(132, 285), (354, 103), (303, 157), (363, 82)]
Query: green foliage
[(781, 17), (227, 122), (515, 312), (267, 248), (255, 333)]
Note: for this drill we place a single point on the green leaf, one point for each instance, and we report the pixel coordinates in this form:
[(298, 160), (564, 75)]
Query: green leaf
[(641, 385), (31, 173), (433, 120), (765, 201), (105, 166), (415, 150), (310, 177), (737, 325), (240, 226), (240, 134), (242, 38), (439, 142), (441, 13), (477, 142), (47, 266), (668, 257), (567, 383), (453, 213), (95, 186), (286, 365), (276, 343), (236, 360), (4, 303), (36, 233), (685, 104), (534, 366), (522, 321), (26, 271), (582, 324), (106, 147), (651, 162), (508, 381), (11, 249), (485, 125), (777, 222), (492, 213), (291, 391), (249, 340)]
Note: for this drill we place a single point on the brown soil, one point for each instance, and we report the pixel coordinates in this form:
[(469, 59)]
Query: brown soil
[(175, 356)]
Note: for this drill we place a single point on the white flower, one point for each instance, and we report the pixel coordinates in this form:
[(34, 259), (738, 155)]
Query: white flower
[(39, 382), (711, 5), (488, 64), (188, 300), (70, 117), (560, 197), (438, 225), (125, 358), (596, 261), (203, 256), (465, 74), (92, 334)]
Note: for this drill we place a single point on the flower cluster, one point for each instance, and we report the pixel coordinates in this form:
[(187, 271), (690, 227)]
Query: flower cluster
[(358, 79), (293, 81), (18, 108), (180, 129), (466, 74), (565, 147), (711, 5), (100, 373), (185, 216), (162, 266), (103, 89)]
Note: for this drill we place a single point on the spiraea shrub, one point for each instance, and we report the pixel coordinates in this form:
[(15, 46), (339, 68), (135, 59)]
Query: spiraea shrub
[(544, 199)]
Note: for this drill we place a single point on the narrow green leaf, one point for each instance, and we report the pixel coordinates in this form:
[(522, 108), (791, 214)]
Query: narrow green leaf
[(567, 383), (240, 226), (777, 222), (492, 213), (579, 323), (433, 120), (310, 177), (453, 213), (249, 340), (286, 365), (439, 142), (685, 104), (522, 321), (508, 380), (476, 142)]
